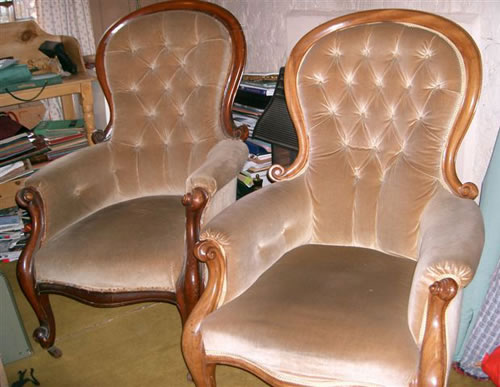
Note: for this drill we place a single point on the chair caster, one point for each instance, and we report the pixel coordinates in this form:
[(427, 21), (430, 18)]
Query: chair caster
[(54, 352)]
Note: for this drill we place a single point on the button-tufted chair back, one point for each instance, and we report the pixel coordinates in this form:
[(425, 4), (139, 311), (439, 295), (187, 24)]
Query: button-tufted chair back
[(166, 74), (380, 106)]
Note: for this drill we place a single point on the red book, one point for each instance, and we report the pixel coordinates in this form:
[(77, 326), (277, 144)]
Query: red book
[(60, 140)]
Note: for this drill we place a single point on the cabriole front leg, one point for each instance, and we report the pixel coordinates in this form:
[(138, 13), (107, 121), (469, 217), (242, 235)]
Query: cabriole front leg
[(433, 358), (29, 199)]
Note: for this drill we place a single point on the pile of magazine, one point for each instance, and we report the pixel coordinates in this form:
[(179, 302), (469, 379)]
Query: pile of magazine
[(253, 95), (13, 233)]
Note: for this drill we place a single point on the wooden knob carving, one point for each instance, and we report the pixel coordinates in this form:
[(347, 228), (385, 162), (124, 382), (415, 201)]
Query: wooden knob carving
[(468, 190), (276, 172)]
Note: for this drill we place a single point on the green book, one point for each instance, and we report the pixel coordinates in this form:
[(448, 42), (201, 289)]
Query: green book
[(41, 80), (59, 128), (14, 74)]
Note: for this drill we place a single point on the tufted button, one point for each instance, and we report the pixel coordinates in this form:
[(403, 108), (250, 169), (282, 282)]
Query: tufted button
[(362, 111), (335, 52), (365, 52), (332, 108), (349, 79), (379, 81), (357, 174), (426, 53), (437, 85), (392, 112), (319, 78)]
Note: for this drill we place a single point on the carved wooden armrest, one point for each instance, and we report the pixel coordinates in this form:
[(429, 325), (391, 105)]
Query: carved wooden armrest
[(223, 163)]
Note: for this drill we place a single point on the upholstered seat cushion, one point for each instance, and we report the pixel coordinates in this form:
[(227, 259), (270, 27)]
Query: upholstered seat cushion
[(107, 250), (323, 314)]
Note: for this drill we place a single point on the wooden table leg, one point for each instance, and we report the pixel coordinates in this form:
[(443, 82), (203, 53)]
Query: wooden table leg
[(88, 109), (68, 107)]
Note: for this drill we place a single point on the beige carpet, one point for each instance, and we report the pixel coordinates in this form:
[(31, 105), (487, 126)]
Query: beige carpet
[(132, 346)]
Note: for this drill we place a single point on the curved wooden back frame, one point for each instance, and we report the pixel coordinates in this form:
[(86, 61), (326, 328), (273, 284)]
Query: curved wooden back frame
[(235, 71), (473, 77)]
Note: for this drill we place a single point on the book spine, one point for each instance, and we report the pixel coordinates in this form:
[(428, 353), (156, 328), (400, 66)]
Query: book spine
[(253, 89)]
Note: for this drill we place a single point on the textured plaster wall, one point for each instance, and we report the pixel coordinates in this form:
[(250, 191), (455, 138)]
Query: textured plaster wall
[(273, 26)]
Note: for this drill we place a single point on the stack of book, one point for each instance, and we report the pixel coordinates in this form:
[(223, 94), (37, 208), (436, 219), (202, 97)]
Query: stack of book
[(13, 233), (62, 137), (253, 95), (20, 147), (16, 170)]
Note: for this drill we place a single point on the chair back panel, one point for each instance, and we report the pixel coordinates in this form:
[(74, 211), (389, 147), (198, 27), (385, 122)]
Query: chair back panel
[(167, 73), (378, 102)]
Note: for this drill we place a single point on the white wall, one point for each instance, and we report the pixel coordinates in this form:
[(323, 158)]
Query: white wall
[(272, 27)]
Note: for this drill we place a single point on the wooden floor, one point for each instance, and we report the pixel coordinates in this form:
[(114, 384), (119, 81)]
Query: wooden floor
[(131, 346)]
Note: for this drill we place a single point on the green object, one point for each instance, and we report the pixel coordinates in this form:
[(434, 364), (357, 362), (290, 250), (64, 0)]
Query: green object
[(42, 80), (475, 292), (59, 128), (14, 344), (14, 74)]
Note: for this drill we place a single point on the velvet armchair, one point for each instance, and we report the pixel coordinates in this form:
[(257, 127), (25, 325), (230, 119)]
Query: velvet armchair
[(116, 223), (349, 269)]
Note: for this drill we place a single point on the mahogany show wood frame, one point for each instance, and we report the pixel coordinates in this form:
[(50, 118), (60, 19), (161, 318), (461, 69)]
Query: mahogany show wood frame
[(433, 357), (189, 285)]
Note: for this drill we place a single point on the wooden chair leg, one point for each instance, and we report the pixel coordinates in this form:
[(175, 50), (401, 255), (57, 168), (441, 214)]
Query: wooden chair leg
[(29, 199), (203, 375), (45, 334)]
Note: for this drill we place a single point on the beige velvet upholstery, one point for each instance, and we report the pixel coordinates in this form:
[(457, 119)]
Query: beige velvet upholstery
[(70, 259), (324, 276), (285, 322), (114, 219)]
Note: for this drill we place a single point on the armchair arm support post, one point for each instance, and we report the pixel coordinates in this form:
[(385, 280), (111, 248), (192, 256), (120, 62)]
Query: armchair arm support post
[(98, 136), (30, 199), (189, 285), (433, 361), (211, 253)]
